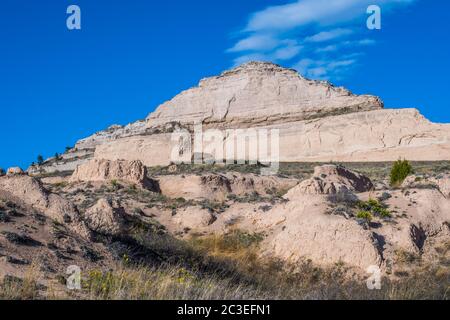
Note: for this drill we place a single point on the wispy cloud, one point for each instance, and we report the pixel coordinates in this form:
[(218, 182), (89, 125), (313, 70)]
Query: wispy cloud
[(329, 35), (311, 35)]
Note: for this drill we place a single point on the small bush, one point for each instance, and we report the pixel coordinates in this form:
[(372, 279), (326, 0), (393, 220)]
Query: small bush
[(374, 207), (115, 185), (366, 215), (400, 170)]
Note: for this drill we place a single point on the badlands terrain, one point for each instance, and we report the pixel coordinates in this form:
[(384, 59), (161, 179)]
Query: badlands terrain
[(139, 225)]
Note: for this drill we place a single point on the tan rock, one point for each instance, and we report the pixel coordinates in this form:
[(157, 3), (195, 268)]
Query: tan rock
[(172, 169), (106, 170), (193, 218), (332, 179), (106, 217), (14, 171), (30, 192), (193, 187), (302, 230), (444, 185), (219, 186), (441, 182), (421, 216), (256, 92), (317, 122)]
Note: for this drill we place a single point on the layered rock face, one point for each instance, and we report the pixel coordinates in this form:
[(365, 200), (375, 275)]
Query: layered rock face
[(259, 93), (316, 122)]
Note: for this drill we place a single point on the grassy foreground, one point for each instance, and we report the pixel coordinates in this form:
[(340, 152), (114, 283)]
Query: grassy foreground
[(224, 268)]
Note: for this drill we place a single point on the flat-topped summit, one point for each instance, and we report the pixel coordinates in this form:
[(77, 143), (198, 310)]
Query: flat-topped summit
[(257, 66)]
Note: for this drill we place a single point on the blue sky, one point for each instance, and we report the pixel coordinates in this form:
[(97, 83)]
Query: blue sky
[(57, 86)]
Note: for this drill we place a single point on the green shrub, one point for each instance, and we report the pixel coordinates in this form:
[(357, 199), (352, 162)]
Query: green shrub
[(115, 185), (400, 170), (366, 215), (374, 207), (383, 212)]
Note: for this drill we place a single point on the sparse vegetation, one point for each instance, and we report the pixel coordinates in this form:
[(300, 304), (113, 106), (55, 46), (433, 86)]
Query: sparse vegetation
[(400, 171), (27, 288), (364, 215), (223, 267), (374, 207), (150, 263)]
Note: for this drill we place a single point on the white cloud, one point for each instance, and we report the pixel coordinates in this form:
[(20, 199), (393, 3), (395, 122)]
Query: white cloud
[(303, 12), (329, 48), (329, 35), (366, 42), (287, 52), (323, 69), (309, 28), (255, 42)]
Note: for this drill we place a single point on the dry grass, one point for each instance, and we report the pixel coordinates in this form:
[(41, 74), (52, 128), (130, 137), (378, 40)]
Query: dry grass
[(229, 267), (26, 288), (163, 283)]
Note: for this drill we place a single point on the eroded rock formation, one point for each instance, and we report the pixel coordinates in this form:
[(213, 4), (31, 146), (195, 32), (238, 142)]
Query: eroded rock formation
[(317, 122), (133, 172)]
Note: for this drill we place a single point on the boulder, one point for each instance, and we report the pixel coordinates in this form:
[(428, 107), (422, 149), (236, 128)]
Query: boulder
[(332, 179), (441, 182), (106, 217), (193, 218), (14, 171)]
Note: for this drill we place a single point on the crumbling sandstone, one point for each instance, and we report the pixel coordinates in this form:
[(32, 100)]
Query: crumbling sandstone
[(106, 217), (133, 172), (31, 193), (317, 122), (332, 179)]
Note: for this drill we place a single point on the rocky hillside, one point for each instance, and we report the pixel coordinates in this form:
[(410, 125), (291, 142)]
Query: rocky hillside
[(194, 231), (317, 122)]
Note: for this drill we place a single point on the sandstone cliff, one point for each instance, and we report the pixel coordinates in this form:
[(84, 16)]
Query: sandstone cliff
[(317, 122)]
